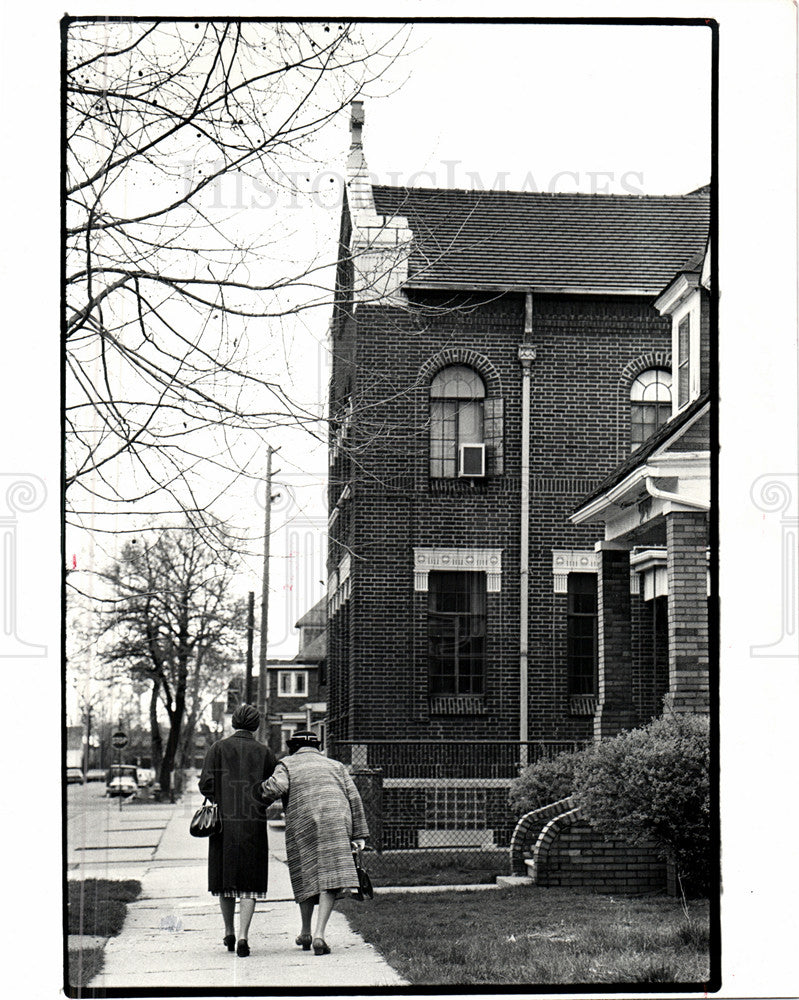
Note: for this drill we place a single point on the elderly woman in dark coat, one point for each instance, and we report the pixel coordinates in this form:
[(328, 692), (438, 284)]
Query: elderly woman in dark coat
[(238, 857), (325, 820)]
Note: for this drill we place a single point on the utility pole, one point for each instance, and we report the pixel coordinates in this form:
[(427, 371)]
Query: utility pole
[(264, 728), (250, 631), (87, 759)]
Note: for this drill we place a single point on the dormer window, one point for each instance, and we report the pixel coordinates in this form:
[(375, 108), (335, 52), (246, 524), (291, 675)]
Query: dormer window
[(457, 397), (685, 302), (650, 404)]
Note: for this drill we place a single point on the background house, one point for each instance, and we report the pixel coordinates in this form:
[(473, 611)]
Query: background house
[(496, 356), (296, 688)]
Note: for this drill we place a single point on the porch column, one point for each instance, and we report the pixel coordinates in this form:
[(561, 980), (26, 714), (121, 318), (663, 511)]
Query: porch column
[(686, 541), (616, 710)]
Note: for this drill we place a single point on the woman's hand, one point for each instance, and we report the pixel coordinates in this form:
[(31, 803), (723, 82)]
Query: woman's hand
[(359, 844)]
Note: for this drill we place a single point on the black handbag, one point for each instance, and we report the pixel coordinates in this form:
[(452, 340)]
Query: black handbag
[(206, 821), (364, 890)]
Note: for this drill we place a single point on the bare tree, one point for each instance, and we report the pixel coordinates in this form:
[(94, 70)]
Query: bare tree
[(172, 301), (174, 625)]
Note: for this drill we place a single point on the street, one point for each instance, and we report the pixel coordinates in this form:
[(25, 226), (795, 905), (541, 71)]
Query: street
[(101, 834), (105, 840)]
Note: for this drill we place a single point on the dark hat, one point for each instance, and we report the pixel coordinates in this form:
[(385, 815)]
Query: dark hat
[(302, 738), (246, 717)]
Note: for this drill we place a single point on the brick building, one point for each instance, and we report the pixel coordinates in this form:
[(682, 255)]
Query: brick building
[(497, 356)]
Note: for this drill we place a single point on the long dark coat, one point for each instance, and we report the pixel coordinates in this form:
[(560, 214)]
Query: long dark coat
[(232, 773)]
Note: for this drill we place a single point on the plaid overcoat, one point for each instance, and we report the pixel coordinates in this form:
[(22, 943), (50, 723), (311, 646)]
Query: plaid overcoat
[(324, 813), (232, 773)]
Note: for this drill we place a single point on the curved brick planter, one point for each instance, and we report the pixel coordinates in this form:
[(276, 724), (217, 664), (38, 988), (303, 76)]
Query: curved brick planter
[(527, 831)]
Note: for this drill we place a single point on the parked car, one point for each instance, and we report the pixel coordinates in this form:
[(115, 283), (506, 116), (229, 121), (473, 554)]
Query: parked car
[(96, 774), (122, 780), (145, 776), (74, 774)]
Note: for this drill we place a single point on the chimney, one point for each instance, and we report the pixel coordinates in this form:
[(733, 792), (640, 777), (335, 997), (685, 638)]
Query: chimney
[(379, 246), (356, 124), (356, 163)]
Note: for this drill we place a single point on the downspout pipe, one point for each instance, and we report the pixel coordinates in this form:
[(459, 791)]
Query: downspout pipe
[(526, 355)]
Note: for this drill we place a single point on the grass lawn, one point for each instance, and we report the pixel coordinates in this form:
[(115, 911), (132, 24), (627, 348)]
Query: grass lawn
[(523, 935), (435, 867), (83, 965), (97, 906)]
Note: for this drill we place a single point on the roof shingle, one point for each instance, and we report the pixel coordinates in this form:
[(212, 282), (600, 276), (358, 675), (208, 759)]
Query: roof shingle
[(547, 242)]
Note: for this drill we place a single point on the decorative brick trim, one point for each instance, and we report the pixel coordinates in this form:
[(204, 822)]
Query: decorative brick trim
[(488, 561), (528, 827), (565, 561), (582, 704), (456, 487), (463, 356), (652, 359), (458, 705)]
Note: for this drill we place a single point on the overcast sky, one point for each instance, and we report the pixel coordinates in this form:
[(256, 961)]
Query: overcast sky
[(537, 101)]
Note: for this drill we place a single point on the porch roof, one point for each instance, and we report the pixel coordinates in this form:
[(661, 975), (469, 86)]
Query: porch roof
[(638, 458)]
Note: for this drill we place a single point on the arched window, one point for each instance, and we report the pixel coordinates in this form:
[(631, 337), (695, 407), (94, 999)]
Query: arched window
[(650, 404), (457, 395)]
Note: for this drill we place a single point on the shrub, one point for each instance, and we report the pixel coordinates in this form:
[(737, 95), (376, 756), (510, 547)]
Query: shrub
[(544, 782), (654, 783)]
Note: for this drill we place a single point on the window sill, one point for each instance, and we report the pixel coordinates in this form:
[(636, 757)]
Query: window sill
[(443, 704), (459, 484), (582, 704)]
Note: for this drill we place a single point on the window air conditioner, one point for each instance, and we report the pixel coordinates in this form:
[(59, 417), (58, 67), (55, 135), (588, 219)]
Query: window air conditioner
[(472, 460)]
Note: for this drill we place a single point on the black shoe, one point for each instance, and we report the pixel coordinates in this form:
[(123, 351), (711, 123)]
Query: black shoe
[(229, 941), (304, 941), (320, 947), (242, 948)]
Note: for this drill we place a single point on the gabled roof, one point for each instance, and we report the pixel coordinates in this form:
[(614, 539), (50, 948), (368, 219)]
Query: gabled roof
[(639, 457), (315, 651), (625, 244), (317, 615)]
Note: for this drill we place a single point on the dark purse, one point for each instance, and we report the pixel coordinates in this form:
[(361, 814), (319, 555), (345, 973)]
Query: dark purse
[(206, 821), (364, 890)]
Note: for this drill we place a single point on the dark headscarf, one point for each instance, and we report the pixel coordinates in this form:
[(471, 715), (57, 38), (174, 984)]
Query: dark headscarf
[(302, 738), (246, 717)]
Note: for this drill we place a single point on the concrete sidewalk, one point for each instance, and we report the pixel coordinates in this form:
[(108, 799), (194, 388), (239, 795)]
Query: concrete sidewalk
[(173, 933)]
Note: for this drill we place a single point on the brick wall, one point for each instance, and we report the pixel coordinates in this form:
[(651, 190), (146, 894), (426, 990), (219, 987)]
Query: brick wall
[(696, 438), (615, 711), (686, 539), (383, 359), (651, 657), (579, 857)]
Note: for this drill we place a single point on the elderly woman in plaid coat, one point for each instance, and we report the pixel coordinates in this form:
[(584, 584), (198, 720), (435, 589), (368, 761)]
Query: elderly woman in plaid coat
[(325, 822)]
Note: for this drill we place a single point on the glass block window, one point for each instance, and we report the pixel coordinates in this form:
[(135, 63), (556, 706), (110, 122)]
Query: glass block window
[(455, 809), (456, 629), (457, 396), (650, 404), (581, 633)]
